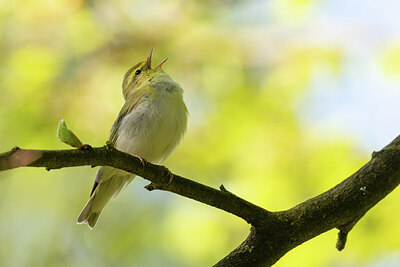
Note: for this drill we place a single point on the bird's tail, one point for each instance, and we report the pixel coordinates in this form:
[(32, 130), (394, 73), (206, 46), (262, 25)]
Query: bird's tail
[(100, 197), (87, 215)]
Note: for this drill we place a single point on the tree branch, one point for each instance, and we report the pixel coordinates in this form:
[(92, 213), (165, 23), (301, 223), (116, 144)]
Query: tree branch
[(160, 176), (272, 234)]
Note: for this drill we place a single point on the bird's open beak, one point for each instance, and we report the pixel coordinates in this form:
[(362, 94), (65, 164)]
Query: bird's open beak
[(162, 62), (148, 61)]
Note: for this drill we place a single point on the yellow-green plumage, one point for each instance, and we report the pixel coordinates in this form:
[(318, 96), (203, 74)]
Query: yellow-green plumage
[(150, 125)]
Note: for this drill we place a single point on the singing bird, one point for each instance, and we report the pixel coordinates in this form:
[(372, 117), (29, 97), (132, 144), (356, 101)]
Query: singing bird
[(150, 125)]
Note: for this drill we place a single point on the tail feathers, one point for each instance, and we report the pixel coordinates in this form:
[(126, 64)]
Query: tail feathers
[(92, 220), (100, 196), (88, 216)]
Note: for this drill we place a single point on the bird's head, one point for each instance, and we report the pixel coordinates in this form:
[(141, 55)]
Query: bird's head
[(140, 74)]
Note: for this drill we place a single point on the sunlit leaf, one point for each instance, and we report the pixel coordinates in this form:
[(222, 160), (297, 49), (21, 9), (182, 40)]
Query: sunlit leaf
[(65, 135)]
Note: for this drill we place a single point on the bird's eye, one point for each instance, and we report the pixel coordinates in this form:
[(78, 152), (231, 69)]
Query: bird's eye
[(138, 72)]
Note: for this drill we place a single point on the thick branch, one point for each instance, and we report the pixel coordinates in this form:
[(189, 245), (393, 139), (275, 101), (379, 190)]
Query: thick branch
[(272, 234), (339, 207)]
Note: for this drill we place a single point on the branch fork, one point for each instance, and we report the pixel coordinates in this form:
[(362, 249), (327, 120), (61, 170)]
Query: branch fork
[(272, 234)]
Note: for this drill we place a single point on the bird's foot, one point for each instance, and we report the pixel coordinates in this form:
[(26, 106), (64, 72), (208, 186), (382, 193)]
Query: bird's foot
[(153, 186), (109, 144), (142, 160), (85, 147), (169, 174)]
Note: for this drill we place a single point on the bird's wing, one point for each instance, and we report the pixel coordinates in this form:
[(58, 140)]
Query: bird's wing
[(131, 103)]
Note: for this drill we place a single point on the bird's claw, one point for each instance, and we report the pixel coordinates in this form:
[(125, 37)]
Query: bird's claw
[(152, 186), (85, 147), (170, 175), (109, 144), (142, 160)]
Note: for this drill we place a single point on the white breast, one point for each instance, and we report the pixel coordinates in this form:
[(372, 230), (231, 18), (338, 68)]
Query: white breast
[(155, 127)]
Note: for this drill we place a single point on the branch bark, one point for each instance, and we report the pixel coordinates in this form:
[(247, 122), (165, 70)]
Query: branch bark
[(272, 234)]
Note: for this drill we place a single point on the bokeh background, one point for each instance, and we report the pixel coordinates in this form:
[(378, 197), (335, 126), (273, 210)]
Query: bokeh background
[(286, 99)]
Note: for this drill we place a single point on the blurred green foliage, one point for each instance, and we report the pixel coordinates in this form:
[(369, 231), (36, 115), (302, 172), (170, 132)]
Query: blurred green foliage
[(66, 59)]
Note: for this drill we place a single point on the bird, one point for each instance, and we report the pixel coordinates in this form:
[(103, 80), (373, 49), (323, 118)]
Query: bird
[(150, 125)]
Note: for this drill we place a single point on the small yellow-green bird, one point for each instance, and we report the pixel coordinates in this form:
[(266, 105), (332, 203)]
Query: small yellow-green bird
[(150, 125)]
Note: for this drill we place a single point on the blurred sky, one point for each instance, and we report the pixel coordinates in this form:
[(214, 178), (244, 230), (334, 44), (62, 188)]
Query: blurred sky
[(362, 101)]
